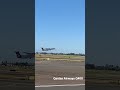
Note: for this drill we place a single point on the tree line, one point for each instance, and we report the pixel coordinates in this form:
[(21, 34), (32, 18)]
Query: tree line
[(60, 53), (105, 67)]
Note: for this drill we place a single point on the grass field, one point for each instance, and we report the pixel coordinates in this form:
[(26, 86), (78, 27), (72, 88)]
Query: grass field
[(59, 57), (16, 73), (103, 77)]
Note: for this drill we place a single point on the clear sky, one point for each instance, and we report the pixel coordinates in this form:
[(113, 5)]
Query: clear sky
[(60, 24)]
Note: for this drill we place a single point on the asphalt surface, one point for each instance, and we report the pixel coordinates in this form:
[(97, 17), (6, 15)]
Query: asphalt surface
[(46, 70), (62, 88), (97, 87)]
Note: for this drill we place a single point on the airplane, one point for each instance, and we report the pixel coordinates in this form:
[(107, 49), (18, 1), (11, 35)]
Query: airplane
[(47, 49), (27, 56)]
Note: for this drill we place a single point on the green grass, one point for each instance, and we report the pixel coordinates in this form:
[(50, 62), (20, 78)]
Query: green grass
[(60, 57)]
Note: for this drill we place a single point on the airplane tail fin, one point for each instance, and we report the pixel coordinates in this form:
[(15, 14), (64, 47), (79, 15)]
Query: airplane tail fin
[(42, 49), (18, 54)]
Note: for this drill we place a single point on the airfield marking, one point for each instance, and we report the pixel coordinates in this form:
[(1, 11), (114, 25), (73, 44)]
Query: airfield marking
[(60, 85)]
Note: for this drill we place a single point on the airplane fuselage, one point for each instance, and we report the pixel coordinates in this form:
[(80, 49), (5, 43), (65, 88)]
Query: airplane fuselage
[(27, 56), (47, 49)]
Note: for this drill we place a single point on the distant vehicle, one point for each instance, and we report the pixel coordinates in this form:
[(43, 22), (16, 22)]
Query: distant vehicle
[(47, 49), (26, 56)]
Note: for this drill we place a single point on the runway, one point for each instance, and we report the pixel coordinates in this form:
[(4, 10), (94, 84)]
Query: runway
[(45, 71), (62, 87)]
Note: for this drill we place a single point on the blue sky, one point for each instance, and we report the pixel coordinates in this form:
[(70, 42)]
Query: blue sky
[(60, 24)]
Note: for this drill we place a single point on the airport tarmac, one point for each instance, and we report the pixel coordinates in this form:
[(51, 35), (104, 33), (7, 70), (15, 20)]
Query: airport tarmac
[(47, 70), (62, 88)]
